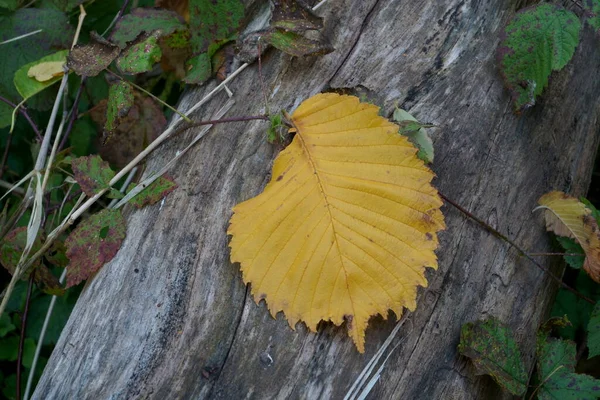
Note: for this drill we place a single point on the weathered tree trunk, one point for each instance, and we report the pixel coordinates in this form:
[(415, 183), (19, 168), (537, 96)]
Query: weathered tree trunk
[(170, 317)]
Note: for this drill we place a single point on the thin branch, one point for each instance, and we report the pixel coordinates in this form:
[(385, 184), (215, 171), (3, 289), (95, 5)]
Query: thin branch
[(557, 254), (22, 338), (221, 121), (117, 17), (17, 190), (73, 113), (516, 247)]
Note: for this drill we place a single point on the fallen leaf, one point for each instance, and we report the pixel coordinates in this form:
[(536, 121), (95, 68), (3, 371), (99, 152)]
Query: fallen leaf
[(93, 243), (291, 43), (140, 57), (153, 193), (93, 175), (120, 100), (347, 225), (493, 350), (294, 16), (90, 59), (416, 133), (567, 216), (149, 20), (45, 71)]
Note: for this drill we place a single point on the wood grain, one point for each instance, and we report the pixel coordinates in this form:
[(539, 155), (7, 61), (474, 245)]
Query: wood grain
[(169, 317)]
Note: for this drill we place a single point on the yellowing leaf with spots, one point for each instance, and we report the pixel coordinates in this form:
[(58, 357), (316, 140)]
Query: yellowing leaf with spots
[(346, 226), (567, 216)]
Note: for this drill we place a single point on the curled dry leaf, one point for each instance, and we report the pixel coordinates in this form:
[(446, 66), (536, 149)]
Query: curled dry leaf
[(567, 216), (47, 70), (347, 225)]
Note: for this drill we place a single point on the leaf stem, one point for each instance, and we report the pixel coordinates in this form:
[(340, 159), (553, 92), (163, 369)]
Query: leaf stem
[(516, 247), (23, 112)]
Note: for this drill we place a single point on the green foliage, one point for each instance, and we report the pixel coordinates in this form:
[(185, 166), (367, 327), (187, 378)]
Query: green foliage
[(57, 34), (120, 100), (556, 372), (29, 86), (592, 8), (93, 175), (537, 41), (145, 20), (493, 350), (153, 193), (571, 246), (87, 251), (140, 57), (415, 132), (593, 330)]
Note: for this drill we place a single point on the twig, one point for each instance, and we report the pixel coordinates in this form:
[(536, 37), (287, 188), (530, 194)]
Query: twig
[(7, 185), (82, 15), (117, 17), (21, 37), (22, 338), (557, 254), (73, 113), (516, 247)]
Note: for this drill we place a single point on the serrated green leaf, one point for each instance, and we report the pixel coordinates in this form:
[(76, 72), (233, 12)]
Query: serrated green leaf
[(571, 246), (140, 57), (537, 41), (493, 350), (57, 34), (6, 325), (556, 365), (416, 134), (593, 330), (87, 251), (592, 12), (120, 100), (154, 193), (147, 20), (92, 173), (29, 86)]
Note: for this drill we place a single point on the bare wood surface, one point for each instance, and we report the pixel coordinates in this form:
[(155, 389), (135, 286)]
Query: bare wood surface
[(170, 317)]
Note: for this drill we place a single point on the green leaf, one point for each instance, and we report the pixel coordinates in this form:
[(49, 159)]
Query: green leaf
[(6, 325), (28, 352), (573, 247), (90, 59), (556, 364), (537, 41), (12, 247), (140, 57), (10, 4), (593, 330), (289, 42), (416, 134), (493, 350), (154, 193), (66, 5), (56, 35), (590, 206), (120, 100), (9, 348), (146, 20), (29, 86), (87, 251), (291, 15), (213, 23), (93, 174), (592, 12)]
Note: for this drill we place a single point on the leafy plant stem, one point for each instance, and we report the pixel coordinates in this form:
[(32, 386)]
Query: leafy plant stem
[(23, 112), (22, 338), (516, 247), (141, 89)]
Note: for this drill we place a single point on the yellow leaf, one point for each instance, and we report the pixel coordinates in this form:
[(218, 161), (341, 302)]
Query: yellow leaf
[(346, 226), (567, 216), (46, 70)]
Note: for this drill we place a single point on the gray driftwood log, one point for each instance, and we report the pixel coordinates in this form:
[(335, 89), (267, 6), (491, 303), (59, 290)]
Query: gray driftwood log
[(170, 317)]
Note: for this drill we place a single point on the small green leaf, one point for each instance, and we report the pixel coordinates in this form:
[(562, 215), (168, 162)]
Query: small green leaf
[(87, 251), (154, 193), (92, 173), (90, 59), (12, 247), (416, 134), (571, 246), (593, 330), (213, 21), (592, 13), (199, 69), (6, 325), (120, 100), (9, 348), (140, 57), (537, 41), (29, 86), (147, 20), (556, 365), (493, 350), (28, 352), (295, 44)]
